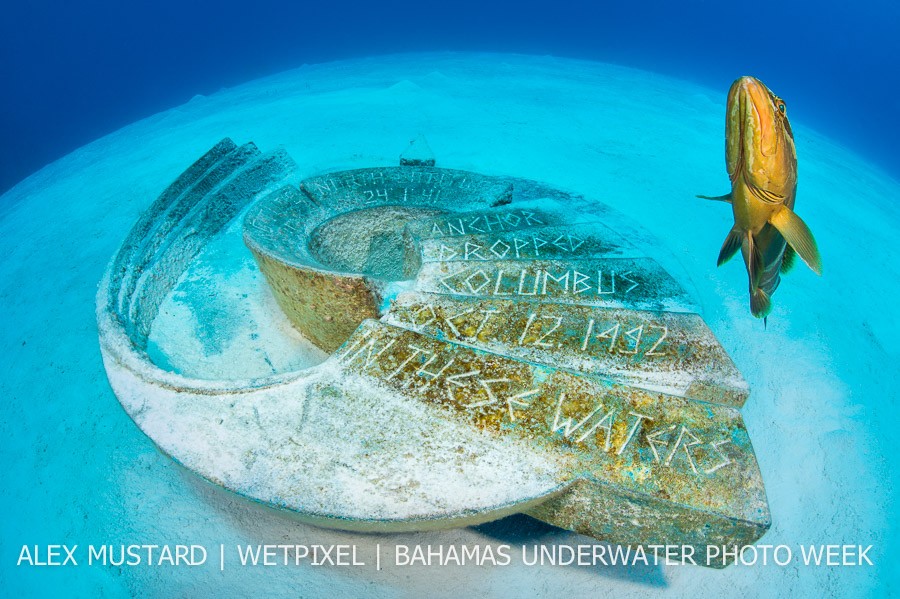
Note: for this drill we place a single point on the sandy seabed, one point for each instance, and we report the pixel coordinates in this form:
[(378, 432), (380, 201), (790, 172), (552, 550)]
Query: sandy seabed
[(823, 408)]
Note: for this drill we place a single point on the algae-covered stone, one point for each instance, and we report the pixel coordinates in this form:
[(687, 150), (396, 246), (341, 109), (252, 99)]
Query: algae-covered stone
[(544, 243), (686, 466), (672, 352), (328, 248), (633, 283), (567, 372)]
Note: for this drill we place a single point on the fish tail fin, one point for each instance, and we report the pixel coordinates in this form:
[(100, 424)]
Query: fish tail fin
[(760, 304), (730, 247), (787, 261), (725, 198), (798, 236)]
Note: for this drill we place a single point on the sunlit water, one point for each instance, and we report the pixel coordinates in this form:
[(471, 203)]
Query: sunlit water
[(822, 411)]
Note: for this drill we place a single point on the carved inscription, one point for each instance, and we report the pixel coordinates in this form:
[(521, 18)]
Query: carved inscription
[(547, 243), (617, 332), (417, 364), (671, 352), (534, 330), (631, 283), (535, 281), (383, 179), (616, 425), (371, 187), (667, 444), (481, 223), (403, 186)]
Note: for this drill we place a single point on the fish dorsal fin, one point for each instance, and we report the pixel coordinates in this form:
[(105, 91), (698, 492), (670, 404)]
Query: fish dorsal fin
[(798, 236)]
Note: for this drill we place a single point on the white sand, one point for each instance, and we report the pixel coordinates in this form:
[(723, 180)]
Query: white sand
[(823, 407)]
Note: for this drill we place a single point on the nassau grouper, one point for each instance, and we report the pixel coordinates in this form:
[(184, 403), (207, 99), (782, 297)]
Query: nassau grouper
[(762, 166)]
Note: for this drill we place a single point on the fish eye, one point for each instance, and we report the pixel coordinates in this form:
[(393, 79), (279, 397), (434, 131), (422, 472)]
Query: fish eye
[(781, 107)]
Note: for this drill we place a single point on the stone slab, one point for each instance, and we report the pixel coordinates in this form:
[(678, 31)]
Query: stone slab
[(520, 216), (176, 227), (531, 403), (328, 248), (686, 467), (632, 283), (405, 186), (671, 352), (560, 242)]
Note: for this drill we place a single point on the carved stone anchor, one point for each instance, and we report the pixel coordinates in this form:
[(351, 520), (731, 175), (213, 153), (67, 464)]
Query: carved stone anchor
[(498, 346)]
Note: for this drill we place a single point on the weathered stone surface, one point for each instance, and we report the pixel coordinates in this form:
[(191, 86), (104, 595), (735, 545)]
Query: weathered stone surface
[(324, 304), (325, 308), (151, 219), (431, 187), (552, 375), (653, 468), (506, 218), (633, 283), (671, 352), (171, 233), (367, 241), (328, 248), (545, 243)]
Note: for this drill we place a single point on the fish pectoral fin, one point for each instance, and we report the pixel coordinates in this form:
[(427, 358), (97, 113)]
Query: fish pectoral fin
[(725, 198), (730, 247), (798, 236)]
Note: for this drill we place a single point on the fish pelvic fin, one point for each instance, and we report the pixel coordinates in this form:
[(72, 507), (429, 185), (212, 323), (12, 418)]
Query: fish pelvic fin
[(730, 247), (760, 304), (725, 198), (798, 236), (787, 261), (753, 258)]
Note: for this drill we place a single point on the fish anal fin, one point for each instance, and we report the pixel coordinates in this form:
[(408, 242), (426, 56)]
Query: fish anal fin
[(730, 247), (787, 261), (725, 198), (798, 236)]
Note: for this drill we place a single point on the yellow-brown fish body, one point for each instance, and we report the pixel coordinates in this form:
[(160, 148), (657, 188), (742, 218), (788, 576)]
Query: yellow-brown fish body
[(762, 165)]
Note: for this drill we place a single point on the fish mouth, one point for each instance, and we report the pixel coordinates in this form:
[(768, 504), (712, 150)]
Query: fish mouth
[(754, 88), (752, 117)]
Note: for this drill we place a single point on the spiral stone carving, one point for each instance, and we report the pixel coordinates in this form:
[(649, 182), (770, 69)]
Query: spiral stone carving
[(497, 346)]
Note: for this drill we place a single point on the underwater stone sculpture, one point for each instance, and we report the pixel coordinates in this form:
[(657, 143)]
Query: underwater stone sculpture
[(539, 362)]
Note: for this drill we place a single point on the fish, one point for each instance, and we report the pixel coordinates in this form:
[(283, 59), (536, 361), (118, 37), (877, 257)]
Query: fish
[(762, 165)]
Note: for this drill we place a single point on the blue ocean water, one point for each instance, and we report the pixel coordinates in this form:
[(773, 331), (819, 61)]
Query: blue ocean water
[(73, 72), (822, 375)]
